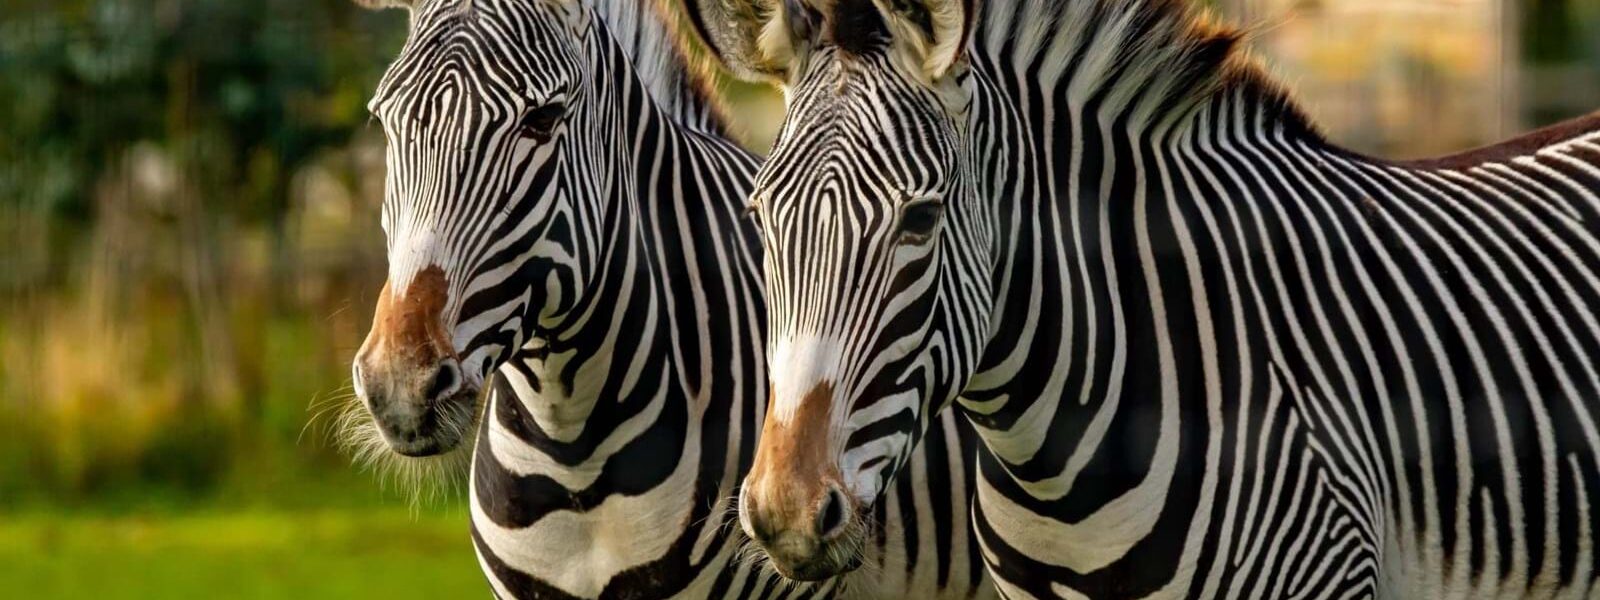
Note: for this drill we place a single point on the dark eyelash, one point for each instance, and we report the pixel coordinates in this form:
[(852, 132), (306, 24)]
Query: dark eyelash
[(540, 123)]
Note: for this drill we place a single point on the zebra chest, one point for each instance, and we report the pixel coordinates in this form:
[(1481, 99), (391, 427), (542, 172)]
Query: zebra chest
[(588, 514), (561, 391), (582, 548)]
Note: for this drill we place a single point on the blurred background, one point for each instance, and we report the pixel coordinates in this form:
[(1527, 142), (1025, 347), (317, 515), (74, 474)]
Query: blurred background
[(190, 251)]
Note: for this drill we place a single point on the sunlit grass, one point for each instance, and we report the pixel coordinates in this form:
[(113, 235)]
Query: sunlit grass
[(372, 554), (124, 475)]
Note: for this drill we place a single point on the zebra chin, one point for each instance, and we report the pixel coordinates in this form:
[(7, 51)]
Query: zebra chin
[(440, 427), (826, 539), (426, 456), (836, 557), (413, 412)]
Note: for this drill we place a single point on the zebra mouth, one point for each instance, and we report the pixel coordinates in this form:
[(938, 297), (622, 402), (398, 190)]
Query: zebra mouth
[(440, 428), (809, 557), (830, 559), (418, 449)]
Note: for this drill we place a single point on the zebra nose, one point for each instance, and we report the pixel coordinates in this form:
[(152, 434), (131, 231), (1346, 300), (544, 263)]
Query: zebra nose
[(815, 545), (367, 388), (446, 380), (831, 514), (805, 530)]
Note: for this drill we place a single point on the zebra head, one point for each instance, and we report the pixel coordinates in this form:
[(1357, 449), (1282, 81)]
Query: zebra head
[(483, 111), (876, 262)]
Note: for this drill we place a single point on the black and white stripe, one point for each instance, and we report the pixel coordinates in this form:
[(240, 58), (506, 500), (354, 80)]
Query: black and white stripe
[(1209, 353), (554, 160)]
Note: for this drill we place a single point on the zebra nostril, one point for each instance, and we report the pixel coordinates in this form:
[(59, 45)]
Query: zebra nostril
[(831, 515), (358, 378), (444, 380)]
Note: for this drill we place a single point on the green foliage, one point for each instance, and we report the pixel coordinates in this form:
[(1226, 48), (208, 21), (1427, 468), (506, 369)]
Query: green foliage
[(155, 332), (1559, 31), (245, 90)]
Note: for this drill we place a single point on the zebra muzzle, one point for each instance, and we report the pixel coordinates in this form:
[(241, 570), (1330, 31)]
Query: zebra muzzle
[(794, 502), (407, 372)]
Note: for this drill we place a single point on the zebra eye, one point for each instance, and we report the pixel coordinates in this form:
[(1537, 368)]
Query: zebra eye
[(540, 123), (918, 220)]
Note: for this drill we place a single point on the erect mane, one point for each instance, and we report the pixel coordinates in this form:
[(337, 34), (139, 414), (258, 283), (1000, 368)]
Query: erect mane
[(1168, 56), (676, 64), (649, 30)]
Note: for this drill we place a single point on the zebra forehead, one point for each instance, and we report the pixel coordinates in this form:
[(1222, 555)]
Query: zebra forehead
[(450, 15), (832, 152), (846, 131)]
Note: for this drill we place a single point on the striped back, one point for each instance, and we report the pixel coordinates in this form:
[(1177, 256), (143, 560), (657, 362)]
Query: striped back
[(1209, 353)]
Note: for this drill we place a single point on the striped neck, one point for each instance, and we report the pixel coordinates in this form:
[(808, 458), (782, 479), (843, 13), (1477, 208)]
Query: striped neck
[(1076, 92), (650, 182), (1185, 263), (640, 28), (609, 430), (1151, 62)]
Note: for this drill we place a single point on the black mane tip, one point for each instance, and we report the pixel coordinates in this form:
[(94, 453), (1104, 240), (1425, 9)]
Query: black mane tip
[(857, 27)]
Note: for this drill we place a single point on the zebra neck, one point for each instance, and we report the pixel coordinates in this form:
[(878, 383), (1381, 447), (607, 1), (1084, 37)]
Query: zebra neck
[(1087, 188), (1173, 280), (1144, 61), (611, 431), (1077, 95), (640, 29), (1091, 393), (673, 286)]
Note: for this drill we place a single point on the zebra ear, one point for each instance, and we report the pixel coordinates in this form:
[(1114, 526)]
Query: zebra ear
[(382, 4), (757, 40), (934, 31)]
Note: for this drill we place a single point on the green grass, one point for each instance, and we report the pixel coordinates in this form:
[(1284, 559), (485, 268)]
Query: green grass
[(381, 553)]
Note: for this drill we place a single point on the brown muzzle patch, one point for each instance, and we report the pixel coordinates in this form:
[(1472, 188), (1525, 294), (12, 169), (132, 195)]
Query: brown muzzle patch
[(794, 465), (407, 330)]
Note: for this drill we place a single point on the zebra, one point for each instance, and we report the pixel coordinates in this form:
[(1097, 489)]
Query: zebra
[(1208, 352), (565, 227)]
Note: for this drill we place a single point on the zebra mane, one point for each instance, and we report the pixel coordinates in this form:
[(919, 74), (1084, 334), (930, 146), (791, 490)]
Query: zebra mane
[(1162, 57), (650, 31)]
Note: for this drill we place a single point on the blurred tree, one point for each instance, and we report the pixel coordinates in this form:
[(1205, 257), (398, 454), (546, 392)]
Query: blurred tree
[(1551, 32), (236, 95), (243, 91), (1561, 53)]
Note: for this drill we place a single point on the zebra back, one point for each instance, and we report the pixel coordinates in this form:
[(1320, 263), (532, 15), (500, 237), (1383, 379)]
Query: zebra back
[(1209, 353)]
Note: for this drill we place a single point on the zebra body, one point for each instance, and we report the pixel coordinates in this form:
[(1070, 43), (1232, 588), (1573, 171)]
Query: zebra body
[(567, 194), (1209, 354)]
